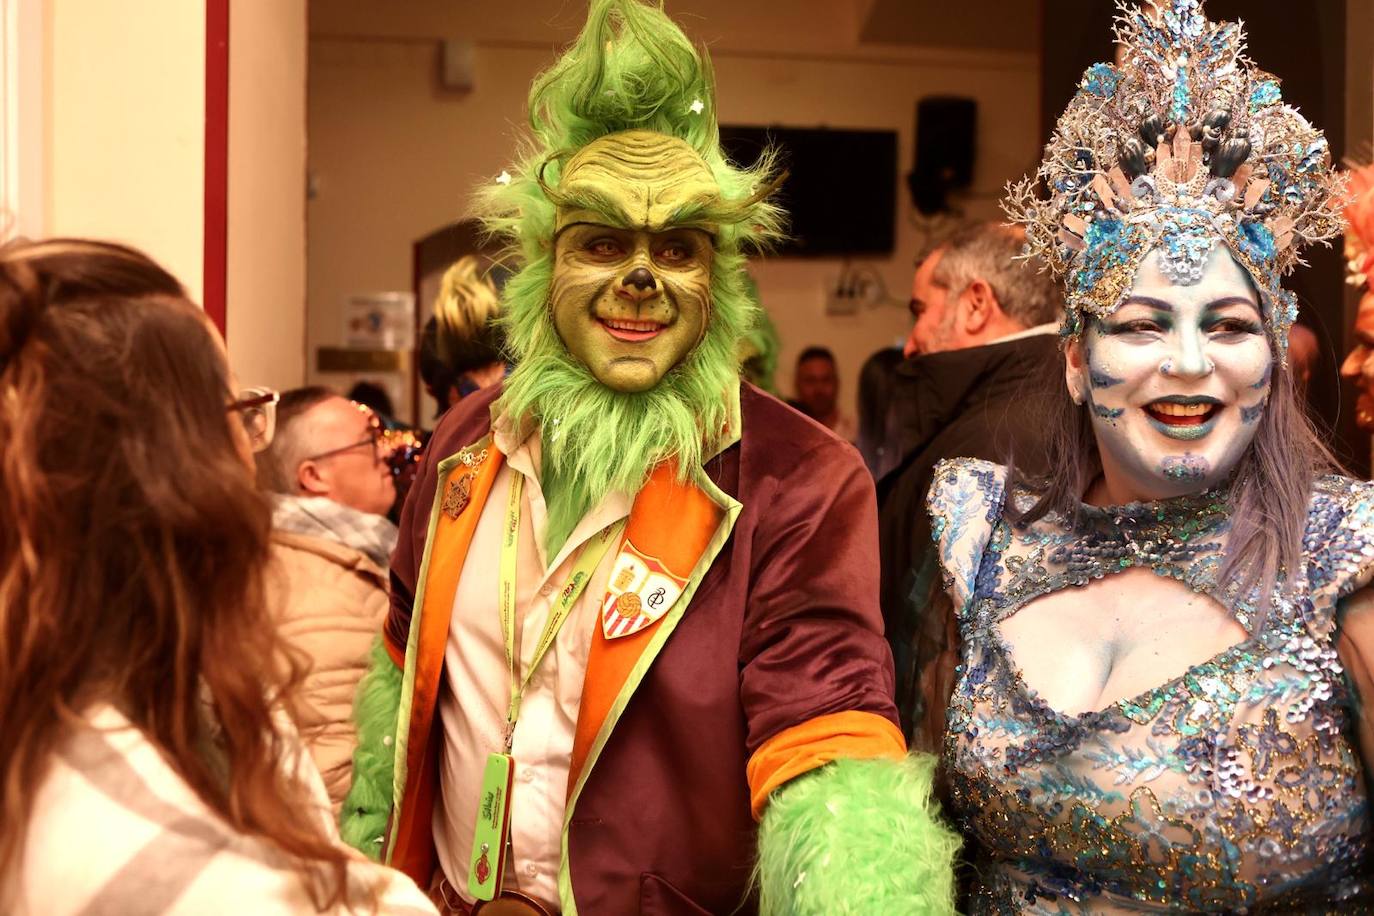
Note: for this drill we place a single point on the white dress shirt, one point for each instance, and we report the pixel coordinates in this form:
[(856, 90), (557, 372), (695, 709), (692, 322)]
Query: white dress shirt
[(476, 687)]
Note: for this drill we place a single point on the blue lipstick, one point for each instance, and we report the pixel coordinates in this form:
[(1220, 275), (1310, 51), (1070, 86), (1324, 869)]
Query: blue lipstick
[(1188, 432)]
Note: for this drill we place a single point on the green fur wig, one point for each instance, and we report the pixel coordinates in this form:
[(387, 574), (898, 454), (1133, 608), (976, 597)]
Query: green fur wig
[(761, 345), (857, 837), (631, 69)]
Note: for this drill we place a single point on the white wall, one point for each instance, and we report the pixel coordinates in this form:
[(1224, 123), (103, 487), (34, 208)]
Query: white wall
[(394, 157), (124, 154), (125, 127), (265, 295), (21, 119)]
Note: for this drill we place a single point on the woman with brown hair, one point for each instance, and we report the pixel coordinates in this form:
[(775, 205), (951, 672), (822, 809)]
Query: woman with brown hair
[(1157, 694), (147, 765)]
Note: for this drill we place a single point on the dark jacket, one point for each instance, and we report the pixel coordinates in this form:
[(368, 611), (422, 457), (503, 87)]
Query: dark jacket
[(980, 402), (782, 632)]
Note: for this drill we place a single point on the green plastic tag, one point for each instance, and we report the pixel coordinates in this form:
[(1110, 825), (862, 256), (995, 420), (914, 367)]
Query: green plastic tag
[(488, 858)]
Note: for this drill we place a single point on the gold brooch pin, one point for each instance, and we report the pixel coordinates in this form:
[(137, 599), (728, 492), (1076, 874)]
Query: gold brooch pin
[(457, 496)]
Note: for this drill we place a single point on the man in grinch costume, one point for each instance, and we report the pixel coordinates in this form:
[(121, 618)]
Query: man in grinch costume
[(635, 655)]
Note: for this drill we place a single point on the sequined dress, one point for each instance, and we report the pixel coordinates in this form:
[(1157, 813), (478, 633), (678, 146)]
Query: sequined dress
[(1235, 787)]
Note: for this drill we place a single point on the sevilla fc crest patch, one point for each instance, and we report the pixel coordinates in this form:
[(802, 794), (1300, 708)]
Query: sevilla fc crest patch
[(641, 591)]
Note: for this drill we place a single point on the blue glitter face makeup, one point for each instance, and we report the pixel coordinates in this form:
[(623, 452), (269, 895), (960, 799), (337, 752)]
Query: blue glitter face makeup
[(1181, 359), (1099, 378), (1185, 467), (1173, 197)]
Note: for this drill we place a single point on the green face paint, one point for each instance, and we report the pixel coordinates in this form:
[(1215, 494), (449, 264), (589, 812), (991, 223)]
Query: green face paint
[(630, 305), (631, 289), (625, 140), (635, 179)]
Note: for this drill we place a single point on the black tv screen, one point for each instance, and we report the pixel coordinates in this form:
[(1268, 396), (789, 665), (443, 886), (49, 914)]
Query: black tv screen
[(841, 195)]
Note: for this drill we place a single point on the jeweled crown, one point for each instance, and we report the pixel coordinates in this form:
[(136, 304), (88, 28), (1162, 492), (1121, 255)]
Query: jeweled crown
[(1182, 144)]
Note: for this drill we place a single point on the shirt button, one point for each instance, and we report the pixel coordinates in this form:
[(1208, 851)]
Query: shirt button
[(527, 774), (531, 869)]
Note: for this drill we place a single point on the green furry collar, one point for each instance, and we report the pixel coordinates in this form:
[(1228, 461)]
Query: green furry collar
[(507, 435)]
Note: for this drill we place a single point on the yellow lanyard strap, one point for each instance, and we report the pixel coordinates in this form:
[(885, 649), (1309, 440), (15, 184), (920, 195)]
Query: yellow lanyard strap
[(587, 561)]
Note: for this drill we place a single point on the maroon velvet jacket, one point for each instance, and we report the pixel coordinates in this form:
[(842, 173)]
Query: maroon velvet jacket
[(784, 627)]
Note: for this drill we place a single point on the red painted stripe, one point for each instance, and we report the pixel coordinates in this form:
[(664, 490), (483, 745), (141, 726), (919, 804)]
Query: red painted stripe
[(216, 160)]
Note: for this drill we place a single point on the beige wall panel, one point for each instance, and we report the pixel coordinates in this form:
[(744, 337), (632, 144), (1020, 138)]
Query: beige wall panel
[(266, 258), (126, 125)]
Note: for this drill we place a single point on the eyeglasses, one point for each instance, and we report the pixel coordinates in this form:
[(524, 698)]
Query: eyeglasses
[(400, 449), (375, 435), (257, 410)]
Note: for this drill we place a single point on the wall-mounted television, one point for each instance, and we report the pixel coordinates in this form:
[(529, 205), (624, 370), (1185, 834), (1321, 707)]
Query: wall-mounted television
[(841, 195)]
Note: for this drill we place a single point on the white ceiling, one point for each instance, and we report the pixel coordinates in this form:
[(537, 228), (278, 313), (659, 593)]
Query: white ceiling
[(779, 26)]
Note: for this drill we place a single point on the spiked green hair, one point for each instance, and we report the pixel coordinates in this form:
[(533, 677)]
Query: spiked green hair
[(631, 68), (761, 345)]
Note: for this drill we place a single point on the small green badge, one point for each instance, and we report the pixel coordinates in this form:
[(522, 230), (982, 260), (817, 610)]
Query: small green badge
[(488, 858)]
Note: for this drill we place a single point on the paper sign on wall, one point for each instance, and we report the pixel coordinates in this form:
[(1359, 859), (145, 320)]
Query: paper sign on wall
[(380, 321)]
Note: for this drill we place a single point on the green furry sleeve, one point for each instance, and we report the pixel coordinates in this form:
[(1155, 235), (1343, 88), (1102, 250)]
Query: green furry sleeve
[(362, 822), (857, 836)]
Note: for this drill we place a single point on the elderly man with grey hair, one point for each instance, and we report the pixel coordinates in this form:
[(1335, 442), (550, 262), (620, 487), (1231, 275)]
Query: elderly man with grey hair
[(331, 487), (981, 356)]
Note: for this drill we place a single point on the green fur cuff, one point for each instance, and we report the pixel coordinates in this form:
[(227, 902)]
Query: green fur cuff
[(362, 822), (857, 836)]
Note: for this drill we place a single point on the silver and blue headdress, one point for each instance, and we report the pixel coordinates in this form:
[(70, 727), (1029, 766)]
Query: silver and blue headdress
[(1183, 144)]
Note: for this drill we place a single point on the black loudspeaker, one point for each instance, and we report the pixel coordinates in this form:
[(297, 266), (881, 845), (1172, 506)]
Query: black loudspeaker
[(946, 141)]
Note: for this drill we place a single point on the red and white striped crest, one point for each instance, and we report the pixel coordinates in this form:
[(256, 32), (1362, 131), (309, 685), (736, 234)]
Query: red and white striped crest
[(640, 591)]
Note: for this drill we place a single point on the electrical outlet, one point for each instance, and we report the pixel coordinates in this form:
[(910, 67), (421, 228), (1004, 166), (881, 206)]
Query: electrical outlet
[(840, 300), (867, 292)]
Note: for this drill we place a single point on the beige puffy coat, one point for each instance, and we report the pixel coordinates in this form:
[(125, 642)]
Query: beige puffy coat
[(331, 601)]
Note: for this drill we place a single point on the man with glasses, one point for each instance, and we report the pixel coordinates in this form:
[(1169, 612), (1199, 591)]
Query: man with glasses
[(328, 446), (332, 486)]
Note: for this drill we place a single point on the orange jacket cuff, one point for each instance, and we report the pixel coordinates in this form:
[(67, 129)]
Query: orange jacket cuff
[(816, 742)]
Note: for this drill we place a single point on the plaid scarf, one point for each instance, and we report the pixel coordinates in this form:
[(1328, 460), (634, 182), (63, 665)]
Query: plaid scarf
[(321, 517)]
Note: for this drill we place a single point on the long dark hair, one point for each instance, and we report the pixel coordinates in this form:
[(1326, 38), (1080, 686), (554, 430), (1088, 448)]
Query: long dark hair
[(877, 379), (1270, 493), (133, 546)]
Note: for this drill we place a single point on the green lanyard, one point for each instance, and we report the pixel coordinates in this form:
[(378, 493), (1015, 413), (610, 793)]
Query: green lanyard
[(587, 562)]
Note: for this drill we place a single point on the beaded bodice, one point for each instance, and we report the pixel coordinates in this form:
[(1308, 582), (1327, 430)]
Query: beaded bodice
[(1232, 787)]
